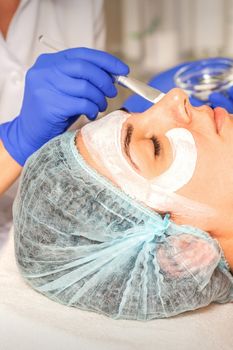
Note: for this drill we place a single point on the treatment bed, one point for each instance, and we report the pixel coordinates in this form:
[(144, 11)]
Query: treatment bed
[(28, 320)]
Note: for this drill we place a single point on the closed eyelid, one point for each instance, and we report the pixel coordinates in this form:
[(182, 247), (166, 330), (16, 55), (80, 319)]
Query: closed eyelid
[(128, 131), (127, 141), (157, 145)]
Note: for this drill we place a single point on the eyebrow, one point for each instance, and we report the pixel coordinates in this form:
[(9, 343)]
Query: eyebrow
[(127, 141)]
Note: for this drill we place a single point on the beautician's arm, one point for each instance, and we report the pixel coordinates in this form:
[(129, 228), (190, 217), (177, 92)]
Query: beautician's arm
[(9, 169), (59, 88)]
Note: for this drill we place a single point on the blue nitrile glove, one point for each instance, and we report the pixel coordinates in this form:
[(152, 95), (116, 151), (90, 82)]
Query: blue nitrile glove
[(59, 88), (165, 82), (218, 99)]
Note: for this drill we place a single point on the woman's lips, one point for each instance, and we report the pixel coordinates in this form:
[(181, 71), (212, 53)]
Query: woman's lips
[(220, 115)]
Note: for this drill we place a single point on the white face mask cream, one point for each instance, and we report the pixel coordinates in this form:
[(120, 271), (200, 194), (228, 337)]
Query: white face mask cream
[(184, 160), (103, 141)]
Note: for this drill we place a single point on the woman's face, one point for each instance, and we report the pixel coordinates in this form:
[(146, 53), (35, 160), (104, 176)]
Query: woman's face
[(150, 153)]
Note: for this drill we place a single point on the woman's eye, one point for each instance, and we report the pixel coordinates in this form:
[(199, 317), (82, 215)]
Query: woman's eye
[(156, 145)]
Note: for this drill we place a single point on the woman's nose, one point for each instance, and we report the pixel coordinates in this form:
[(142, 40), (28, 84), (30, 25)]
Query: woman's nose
[(177, 101)]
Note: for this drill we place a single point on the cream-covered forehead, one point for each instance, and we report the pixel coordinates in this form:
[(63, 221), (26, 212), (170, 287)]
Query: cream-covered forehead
[(103, 141), (103, 138)]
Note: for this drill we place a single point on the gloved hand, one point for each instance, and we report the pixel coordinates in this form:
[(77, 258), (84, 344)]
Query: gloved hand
[(165, 82), (59, 88)]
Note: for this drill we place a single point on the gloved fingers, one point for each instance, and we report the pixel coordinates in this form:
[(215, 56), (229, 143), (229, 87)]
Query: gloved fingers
[(79, 88), (102, 59), (230, 92), (72, 120), (90, 92), (217, 99), (84, 106), (67, 107), (46, 60), (88, 71)]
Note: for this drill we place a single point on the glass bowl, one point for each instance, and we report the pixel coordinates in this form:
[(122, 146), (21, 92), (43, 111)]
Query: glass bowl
[(201, 78)]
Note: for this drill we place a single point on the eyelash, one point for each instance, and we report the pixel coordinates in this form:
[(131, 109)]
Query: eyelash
[(157, 146)]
